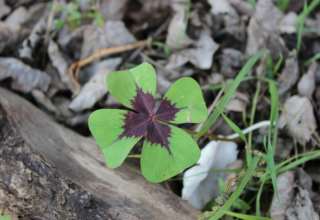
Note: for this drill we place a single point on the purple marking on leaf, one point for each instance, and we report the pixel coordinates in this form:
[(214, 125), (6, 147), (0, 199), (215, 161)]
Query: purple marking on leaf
[(135, 124), (147, 120), (144, 102), (166, 111), (158, 134)]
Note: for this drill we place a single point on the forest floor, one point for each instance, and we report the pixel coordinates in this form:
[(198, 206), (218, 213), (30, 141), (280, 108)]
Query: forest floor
[(257, 63)]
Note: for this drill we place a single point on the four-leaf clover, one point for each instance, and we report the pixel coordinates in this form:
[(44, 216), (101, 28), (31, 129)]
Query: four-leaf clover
[(167, 150)]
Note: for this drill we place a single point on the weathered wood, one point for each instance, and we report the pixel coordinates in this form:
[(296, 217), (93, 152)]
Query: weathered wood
[(49, 172)]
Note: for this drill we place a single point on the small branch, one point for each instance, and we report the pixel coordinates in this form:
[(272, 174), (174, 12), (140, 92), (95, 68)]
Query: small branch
[(76, 66)]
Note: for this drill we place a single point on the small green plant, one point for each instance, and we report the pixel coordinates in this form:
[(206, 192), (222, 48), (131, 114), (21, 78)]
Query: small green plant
[(73, 16), (5, 217), (167, 150)]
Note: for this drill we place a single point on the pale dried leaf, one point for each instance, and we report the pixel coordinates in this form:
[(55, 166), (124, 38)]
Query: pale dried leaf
[(114, 33), (177, 37), (201, 56), (289, 75), (294, 200), (298, 117), (4, 9), (279, 205), (263, 24), (307, 83), (200, 183), (301, 207), (242, 7), (36, 36), (60, 62), (237, 105), (23, 17), (24, 78), (8, 37), (288, 24), (95, 88), (113, 9), (221, 7), (231, 62)]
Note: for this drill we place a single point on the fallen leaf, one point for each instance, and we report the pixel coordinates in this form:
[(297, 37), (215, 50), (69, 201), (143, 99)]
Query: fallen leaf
[(24, 78), (243, 7), (307, 83), (230, 20), (263, 24), (36, 36), (71, 41), (60, 62), (230, 62), (200, 183), (113, 9), (113, 34), (295, 197), (289, 75), (4, 9), (221, 7), (298, 117), (237, 104), (26, 17), (288, 23), (177, 37), (279, 205), (201, 56), (8, 37), (95, 88)]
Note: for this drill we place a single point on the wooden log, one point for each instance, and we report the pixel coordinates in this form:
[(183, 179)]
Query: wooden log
[(49, 172)]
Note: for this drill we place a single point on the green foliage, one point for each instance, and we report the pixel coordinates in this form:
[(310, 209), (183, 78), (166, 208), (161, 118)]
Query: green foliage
[(158, 162), (283, 4), (73, 16), (219, 212), (313, 59), (5, 217), (187, 96), (245, 217), (252, 2), (229, 93), (234, 127), (272, 134), (307, 9)]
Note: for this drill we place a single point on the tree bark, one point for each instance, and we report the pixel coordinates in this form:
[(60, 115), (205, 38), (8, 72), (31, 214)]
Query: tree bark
[(49, 172)]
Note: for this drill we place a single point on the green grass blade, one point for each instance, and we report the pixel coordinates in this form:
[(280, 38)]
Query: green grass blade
[(310, 156), (237, 193), (283, 4), (230, 92), (245, 217), (234, 127), (5, 217), (313, 59), (307, 9), (272, 134), (252, 118), (258, 199)]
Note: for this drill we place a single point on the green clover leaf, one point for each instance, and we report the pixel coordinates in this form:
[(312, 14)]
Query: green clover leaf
[(167, 150)]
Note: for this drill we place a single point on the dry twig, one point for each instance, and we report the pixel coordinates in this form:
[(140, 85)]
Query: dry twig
[(101, 53)]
